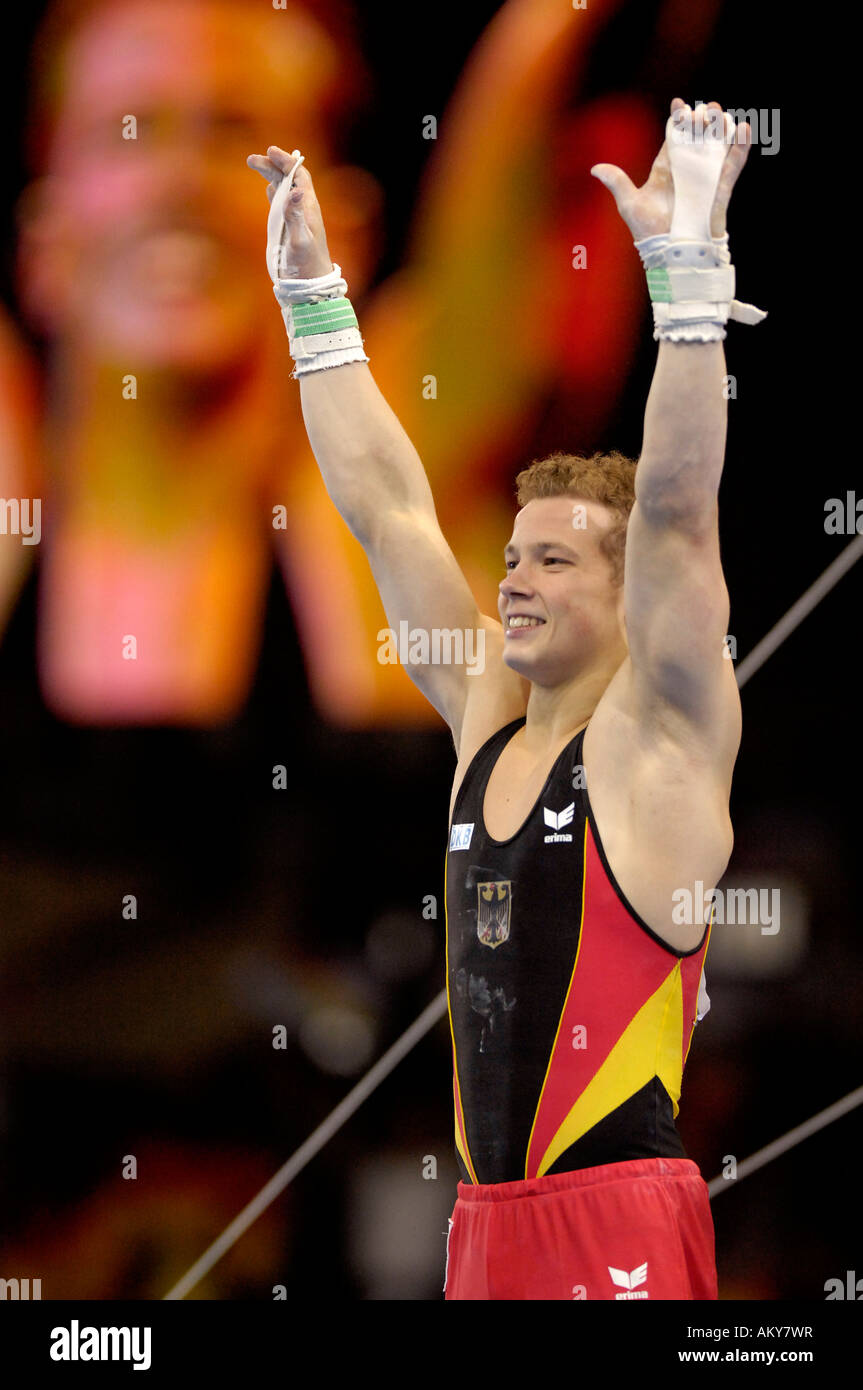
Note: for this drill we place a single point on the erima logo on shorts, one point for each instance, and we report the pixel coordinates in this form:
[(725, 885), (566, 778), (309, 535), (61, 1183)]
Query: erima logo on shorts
[(460, 836), (557, 820), (631, 1281)]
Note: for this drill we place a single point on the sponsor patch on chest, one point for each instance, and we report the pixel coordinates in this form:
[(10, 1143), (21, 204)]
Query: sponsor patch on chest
[(460, 836), (557, 820)]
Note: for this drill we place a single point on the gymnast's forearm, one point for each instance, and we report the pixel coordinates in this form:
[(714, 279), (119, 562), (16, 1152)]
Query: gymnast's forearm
[(368, 463), (685, 426)]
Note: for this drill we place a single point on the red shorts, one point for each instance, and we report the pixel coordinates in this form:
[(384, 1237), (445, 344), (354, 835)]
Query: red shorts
[(641, 1229)]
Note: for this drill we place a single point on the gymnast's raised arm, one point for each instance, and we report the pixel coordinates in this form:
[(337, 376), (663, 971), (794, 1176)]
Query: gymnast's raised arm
[(371, 470)]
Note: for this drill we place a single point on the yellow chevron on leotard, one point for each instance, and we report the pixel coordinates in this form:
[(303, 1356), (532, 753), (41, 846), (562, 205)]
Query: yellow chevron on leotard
[(651, 1045)]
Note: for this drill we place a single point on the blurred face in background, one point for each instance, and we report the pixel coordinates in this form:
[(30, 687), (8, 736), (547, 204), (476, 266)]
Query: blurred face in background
[(150, 252)]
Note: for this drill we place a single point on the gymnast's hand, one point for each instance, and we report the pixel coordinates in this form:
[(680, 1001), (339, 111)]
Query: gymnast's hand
[(305, 252), (648, 210)]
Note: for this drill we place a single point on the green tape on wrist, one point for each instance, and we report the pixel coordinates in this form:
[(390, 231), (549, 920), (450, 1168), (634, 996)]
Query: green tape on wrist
[(327, 317), (659, 285)]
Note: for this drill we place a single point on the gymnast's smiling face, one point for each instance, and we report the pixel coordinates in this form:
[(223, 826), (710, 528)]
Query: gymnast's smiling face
[(560, 607)]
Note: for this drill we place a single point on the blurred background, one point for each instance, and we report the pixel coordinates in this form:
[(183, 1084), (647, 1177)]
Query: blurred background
[(232, 827)]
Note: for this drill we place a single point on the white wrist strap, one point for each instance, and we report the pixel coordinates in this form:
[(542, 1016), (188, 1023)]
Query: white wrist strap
[(691, 286), (329, 337)]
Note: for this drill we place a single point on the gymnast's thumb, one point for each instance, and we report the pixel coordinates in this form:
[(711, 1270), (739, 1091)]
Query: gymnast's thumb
[(614, 179)]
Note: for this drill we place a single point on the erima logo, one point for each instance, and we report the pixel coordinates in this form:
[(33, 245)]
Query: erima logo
[(77, 1343), (630, 1282), (557, 820), (460, 836)]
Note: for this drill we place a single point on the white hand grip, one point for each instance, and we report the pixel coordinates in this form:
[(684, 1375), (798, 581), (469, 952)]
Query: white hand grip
[(696, 155), (276, 226)]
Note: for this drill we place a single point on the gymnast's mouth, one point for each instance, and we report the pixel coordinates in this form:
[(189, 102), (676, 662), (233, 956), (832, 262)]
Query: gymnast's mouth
[(518, 621)]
